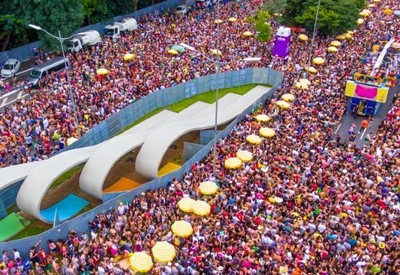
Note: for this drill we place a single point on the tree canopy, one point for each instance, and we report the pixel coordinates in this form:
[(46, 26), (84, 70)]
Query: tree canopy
[(335, 16), (261, 25), (65, 16)]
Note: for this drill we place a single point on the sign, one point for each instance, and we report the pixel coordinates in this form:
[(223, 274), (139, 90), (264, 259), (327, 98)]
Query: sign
[(373, 93), (282, 42)]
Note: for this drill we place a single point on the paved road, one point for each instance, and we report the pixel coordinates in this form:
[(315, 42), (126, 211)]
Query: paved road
[(348, 119), (9, 98)]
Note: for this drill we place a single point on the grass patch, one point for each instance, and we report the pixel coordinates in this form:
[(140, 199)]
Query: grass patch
[(31, 230), (66, 176), (208, 97)]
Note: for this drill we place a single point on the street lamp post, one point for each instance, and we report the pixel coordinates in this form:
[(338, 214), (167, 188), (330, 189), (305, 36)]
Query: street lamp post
[(313, 36), (217, 70), (61, 40)]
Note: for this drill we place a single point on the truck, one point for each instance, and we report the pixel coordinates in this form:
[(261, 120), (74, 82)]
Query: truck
[(80, 40), (115, 30)]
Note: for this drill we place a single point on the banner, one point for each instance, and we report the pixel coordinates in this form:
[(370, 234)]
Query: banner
[(373, 93), (281, 46)]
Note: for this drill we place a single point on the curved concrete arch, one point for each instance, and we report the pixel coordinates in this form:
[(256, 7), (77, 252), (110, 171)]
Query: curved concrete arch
[(12, 174), (104, 158), (156, 145), (39, 179)]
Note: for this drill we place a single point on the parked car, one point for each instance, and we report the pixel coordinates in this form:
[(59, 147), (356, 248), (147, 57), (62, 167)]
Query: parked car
[(10, 67), (181, 9)]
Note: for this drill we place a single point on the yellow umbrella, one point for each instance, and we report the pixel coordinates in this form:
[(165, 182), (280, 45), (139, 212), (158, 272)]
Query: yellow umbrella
[(247, 33), (283, 104), (336, 43), (201, 208), (141, 262), (182, 229), (102, 71), (341, 37), (128, 57), (377, 1), (163, 252), (253, 139), (233, 163), (366, 11), (186, 204), (303, 37), (387, 11), (301, 85), (208, 188), (364, 14), (312, 70), (244, 155), (218, 21), (263, 118), (371, 6), (172, 51), (360, 21), (318, 61), (332, 49), (71, 140), (232, 19), (347, 35), (351, 32), (215, 52), (306, 81), (267, 132), (288, 97)]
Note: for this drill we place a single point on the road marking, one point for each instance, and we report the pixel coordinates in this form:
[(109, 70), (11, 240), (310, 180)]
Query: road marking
[(20, 94), (4, 102), (363, 133), (27, 70), (337, 129)]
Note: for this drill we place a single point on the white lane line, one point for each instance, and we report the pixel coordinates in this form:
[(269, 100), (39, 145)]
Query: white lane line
[(27, 70), (337, 129), (20, 94), (4, 102), (363, 133)]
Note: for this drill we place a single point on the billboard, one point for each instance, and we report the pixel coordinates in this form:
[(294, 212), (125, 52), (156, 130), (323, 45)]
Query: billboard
[(368, 92)]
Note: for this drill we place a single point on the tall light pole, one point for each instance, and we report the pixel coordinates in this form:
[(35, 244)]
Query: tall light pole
[(71, 95), (313, 36)]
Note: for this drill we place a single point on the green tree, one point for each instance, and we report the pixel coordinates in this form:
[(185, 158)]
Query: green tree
[(12, 27), (261, 25), (335, 16), (63, 15), (275, 7), (360, 4), (96, 11)]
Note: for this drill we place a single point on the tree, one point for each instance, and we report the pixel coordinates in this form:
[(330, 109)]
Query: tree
[(63, 15), (12, 28), (360, 4), (275, 7), (96, 11), (261, 25), (335, 16)]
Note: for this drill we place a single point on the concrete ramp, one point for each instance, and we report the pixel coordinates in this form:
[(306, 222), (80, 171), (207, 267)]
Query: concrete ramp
[(157, 144), (39, 179), (104, 158)]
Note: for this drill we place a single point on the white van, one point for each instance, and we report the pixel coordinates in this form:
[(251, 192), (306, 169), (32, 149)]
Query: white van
[(57, 64)]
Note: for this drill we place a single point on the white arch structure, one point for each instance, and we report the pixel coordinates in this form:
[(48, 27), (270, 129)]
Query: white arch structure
[(155, 135), (156, 145), (103, 159)]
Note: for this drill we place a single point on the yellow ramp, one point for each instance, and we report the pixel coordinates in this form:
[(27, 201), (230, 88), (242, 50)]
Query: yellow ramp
[(123, 184), (168, 168)]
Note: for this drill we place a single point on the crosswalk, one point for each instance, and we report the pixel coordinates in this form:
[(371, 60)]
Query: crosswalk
[(11, 98)]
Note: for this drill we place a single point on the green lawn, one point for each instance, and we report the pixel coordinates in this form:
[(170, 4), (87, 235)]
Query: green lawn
[(208, 97), (66, 176), (30, 230)]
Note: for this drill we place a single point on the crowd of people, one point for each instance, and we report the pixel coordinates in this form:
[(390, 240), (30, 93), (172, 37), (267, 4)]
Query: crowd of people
[(339, 207)]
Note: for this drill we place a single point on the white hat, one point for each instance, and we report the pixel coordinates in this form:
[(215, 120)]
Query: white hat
[(220, 268)]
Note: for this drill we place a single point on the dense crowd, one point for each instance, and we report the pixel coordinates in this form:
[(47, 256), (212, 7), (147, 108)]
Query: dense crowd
[(340, 204)]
